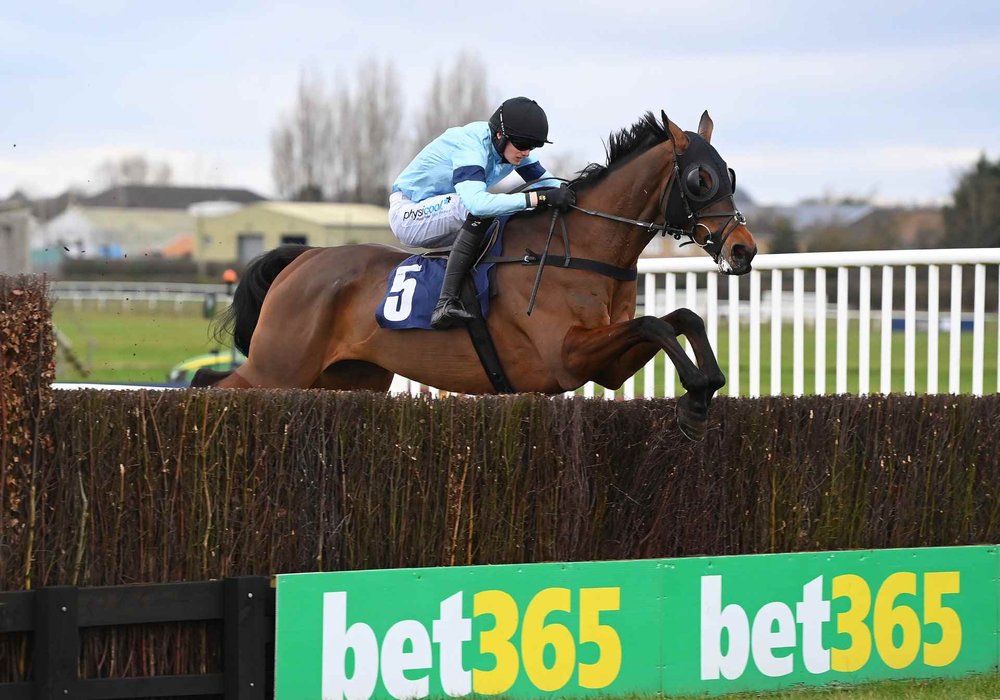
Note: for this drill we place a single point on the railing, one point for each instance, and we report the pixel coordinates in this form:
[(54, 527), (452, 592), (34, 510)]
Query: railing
[(828, 335), (124, 293), (834, 329)]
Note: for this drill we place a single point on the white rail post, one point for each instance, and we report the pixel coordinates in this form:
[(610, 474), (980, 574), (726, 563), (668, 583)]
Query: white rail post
[(798, 332), (776, 321), (979, 330), (733, 367), (885, 371), (933, 299), (910, 346), (955, 332), (754, 390), (820, 370), (864, 329), (842, 360)]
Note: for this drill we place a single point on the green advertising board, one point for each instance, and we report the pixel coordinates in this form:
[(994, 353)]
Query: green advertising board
[(694, 625)]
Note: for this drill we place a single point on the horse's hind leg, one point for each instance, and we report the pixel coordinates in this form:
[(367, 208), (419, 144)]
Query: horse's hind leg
[(354, 374)]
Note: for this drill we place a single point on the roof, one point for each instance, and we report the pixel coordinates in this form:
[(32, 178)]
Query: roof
[(330, 214), (167, 196)]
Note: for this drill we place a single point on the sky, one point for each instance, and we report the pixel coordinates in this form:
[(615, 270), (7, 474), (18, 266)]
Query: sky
[(889, 100)]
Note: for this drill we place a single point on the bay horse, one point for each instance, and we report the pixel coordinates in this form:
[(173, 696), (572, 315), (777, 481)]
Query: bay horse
[(305, 316)]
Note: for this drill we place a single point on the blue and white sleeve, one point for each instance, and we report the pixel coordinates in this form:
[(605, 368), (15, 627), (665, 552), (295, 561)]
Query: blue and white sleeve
[(470, 185)]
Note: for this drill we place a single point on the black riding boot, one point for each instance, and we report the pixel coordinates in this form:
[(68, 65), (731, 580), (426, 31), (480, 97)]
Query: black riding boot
[(448, 311)]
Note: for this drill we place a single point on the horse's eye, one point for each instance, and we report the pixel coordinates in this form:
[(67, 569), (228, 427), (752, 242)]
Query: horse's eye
[(700, 182)]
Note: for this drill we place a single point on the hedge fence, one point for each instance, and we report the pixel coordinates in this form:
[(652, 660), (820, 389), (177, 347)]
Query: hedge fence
[(103, 488)]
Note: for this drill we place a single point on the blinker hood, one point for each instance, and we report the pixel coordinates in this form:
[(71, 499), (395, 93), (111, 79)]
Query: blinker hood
[(704, 179)]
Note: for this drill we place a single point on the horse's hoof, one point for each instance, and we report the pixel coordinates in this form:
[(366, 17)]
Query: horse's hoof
[(694, 424)]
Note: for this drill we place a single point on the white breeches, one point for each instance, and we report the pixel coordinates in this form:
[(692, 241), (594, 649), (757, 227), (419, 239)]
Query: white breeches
[(431, 223)]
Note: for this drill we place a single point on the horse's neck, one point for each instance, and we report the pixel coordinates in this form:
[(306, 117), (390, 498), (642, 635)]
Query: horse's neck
[(633, 191)]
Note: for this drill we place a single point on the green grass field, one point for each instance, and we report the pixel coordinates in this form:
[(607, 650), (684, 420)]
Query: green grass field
[(130, 343), (134, 343)]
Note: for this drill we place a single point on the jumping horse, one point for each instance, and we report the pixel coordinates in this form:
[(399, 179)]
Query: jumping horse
[(305, 316)]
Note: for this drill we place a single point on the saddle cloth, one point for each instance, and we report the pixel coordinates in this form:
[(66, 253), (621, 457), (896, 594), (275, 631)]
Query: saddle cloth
[(413, 287)]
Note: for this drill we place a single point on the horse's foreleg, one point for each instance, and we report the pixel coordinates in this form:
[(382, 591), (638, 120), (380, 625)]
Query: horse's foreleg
[(689, 324), (613, 353)]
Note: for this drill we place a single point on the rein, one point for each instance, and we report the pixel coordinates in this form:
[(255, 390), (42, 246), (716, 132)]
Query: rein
[(651, 227)]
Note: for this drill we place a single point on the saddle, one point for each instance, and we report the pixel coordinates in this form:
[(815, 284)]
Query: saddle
[(413, 288)]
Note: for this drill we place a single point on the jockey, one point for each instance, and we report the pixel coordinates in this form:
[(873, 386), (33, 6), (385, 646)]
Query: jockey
[(441, 196)]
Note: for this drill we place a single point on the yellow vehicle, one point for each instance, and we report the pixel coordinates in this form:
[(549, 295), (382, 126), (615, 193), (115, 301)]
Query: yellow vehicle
[(219, 360)]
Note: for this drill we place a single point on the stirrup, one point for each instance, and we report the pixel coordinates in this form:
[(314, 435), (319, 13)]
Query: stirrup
[(449, 313)]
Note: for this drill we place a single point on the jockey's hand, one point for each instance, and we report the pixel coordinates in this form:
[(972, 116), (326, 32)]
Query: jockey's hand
[(560, 198)]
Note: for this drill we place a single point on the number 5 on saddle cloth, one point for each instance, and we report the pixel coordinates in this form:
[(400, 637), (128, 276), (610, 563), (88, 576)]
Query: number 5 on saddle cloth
[(413, 289), (414, 285)]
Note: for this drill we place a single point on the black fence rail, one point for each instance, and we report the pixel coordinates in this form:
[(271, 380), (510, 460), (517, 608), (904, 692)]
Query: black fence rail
[(55, 616)]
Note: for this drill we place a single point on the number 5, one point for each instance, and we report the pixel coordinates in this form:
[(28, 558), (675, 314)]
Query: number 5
[(399, 300), (602, 672)]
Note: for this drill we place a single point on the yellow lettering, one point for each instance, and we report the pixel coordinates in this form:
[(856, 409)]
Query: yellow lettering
[(496, 642), (852, 623)]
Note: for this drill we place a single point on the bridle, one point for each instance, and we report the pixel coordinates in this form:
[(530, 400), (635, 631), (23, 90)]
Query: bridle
[(692, 217), (710, 161)]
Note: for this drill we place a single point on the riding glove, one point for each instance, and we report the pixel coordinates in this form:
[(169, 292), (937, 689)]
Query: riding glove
[(560, 198)]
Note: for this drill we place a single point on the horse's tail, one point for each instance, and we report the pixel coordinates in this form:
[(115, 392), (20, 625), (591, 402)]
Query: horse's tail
[(240, 319)]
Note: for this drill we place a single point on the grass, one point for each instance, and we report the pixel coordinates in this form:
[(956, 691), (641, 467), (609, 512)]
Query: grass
[(130, 343), (986, 687), (133, 343)]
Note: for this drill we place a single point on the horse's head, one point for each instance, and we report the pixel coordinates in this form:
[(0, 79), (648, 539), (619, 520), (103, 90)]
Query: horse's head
[(699, 199)]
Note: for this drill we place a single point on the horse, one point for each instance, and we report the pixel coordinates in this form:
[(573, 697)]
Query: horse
[(305, 316)]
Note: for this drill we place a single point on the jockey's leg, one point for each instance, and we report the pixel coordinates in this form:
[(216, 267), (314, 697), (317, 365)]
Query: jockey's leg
[(468, 244), (429, 223)]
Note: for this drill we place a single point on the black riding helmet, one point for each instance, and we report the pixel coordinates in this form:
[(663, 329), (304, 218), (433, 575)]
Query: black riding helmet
[(520, 121)]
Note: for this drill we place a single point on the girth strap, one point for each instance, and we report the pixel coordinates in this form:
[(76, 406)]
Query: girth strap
[(622, 274), (482, 341)]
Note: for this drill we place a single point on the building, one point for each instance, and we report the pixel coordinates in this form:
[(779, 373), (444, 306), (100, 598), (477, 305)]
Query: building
[(15, 227), (241, 235), (128, 220), (113, 232)]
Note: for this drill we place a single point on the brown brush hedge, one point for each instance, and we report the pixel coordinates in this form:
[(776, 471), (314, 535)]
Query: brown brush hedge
[(166, 486)]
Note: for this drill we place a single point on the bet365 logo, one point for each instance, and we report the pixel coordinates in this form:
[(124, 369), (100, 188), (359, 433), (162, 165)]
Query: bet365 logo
[(535, 641), (883, 622)]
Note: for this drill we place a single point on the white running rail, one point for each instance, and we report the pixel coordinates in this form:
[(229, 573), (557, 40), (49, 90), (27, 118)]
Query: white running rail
[(830, 316)]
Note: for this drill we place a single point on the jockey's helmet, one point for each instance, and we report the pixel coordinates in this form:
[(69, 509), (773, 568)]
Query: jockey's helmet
[(522, 122)]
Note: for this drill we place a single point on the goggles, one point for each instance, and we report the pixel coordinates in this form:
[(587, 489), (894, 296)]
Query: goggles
[(523, 144)]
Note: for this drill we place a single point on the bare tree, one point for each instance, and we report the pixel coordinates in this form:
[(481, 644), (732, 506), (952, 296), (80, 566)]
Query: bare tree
[(302, 144), (372, 133), (134, 169), (457, 96)]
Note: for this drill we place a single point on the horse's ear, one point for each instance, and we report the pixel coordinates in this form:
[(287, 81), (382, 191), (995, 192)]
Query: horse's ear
[(677, 134), (705, 126)]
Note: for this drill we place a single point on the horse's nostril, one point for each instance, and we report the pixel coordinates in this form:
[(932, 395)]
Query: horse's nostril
[(742, 253)]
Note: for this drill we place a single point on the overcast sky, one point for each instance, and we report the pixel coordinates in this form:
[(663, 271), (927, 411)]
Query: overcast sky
[(884, 98)]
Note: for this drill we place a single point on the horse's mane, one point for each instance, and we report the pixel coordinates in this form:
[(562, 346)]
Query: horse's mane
[(622, 146)]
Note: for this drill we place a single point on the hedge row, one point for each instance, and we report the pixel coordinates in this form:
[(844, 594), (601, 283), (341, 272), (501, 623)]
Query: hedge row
[(166, 486), (27, 368)]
